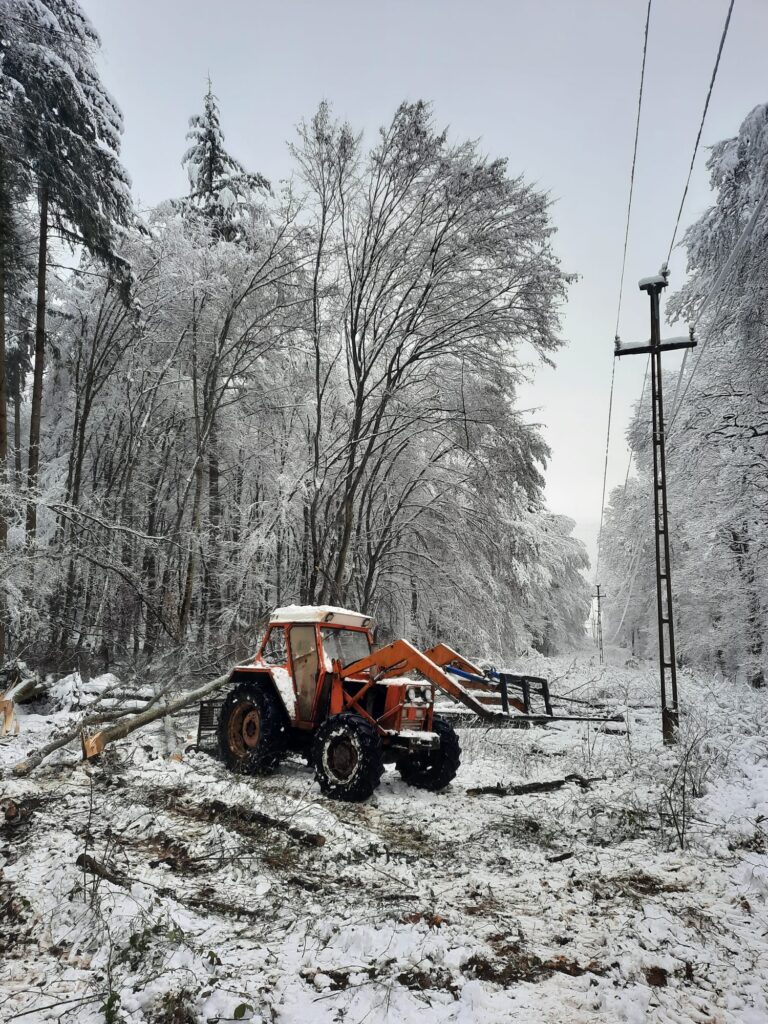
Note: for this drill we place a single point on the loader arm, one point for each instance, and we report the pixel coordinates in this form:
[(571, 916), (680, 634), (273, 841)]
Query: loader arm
[(443, 655), (446, 657), (401, 657)]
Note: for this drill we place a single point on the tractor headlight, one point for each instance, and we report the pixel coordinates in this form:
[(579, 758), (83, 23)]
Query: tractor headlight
[(414, 694)]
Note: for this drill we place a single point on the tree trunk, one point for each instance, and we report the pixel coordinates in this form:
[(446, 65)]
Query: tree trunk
[(17, 429), (194, 547), (128, 725), (214, 532), (3, 447), (740, 545), (149, 558), (37, 382)]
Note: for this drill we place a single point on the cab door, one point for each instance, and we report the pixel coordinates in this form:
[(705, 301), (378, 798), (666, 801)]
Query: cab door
[(305, 666)]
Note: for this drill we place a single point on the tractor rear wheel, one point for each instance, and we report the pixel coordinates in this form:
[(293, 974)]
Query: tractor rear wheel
[(251, 731), (347, 757), (434, 769)]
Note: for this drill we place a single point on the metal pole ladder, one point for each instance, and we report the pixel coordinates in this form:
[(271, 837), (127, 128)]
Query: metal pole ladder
[(666, 627), (599, 622)]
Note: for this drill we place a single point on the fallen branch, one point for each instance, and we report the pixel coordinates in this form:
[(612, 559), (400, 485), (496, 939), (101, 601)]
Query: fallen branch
[(218, 808), (89, 864), (63, 739), (237, 816), (534, 787)]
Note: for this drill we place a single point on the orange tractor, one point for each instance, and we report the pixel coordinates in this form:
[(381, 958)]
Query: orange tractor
[(317, 686)]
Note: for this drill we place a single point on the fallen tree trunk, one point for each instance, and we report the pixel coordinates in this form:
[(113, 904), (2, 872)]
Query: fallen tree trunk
[(94, 744), (26, 690), (534, 787)]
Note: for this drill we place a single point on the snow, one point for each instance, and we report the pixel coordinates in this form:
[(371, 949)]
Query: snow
[(646, 282), (419, 906), (678, 339), (73, 692), (284, 684), (320, 613)]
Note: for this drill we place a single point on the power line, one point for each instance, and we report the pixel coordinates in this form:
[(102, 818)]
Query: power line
[(640, 405), (634, 162), (675, 402), (720, 280), (605, 474), (621, 280), (701, 127), (638, 560)]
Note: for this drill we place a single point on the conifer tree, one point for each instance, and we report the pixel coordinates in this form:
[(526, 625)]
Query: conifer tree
[(219, 185), (66, 135)]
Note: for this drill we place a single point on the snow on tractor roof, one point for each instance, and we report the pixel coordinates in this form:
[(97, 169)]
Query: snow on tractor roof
[(320, 613)]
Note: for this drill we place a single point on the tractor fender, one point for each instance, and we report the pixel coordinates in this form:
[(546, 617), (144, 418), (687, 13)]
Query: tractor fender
[(277, 680)]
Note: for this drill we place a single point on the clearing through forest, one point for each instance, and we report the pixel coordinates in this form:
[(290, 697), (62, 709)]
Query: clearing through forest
[(142, 889)]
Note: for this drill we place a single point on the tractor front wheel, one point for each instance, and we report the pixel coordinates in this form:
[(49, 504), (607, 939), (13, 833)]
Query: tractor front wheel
[(347, 757), (252, 734), (436, 768)]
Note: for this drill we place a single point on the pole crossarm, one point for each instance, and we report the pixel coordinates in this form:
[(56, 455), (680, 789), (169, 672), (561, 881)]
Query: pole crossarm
[(668, 345)]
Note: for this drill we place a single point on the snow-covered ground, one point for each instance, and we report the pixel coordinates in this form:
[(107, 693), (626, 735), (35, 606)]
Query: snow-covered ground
[(566, 906)]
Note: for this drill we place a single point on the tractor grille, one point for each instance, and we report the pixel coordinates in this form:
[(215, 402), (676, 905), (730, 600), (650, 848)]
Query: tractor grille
[(208, 722), (413, 717)]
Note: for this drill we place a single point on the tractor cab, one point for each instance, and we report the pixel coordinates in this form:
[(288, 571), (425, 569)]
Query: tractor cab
[(301, 648)]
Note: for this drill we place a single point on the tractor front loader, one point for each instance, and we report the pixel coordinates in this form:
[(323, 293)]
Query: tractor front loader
[(317, 686)]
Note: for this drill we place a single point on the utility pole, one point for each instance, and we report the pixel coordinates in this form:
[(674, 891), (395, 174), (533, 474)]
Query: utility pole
[(667, 663), (599, 623)]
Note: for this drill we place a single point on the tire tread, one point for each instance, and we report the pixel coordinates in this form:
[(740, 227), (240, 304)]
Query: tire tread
[(266, 757)]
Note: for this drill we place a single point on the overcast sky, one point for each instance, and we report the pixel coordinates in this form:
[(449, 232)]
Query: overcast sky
[(549, 84)]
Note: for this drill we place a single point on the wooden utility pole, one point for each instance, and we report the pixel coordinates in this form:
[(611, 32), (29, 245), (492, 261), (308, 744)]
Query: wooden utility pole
[(667, 663)]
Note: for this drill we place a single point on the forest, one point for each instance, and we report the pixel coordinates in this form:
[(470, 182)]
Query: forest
[(263, 393), (306, 391)]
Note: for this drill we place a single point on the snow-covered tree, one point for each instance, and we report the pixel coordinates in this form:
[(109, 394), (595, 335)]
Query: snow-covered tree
[(219, 185), (445, 270), (67, 133), (717, 451), (320, 404)]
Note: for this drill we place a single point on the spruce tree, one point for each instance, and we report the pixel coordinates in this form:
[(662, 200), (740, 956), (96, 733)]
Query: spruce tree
[(219, 185)]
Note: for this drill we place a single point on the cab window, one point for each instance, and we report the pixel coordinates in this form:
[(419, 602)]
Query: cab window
[(275, 651), (345, 645)]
